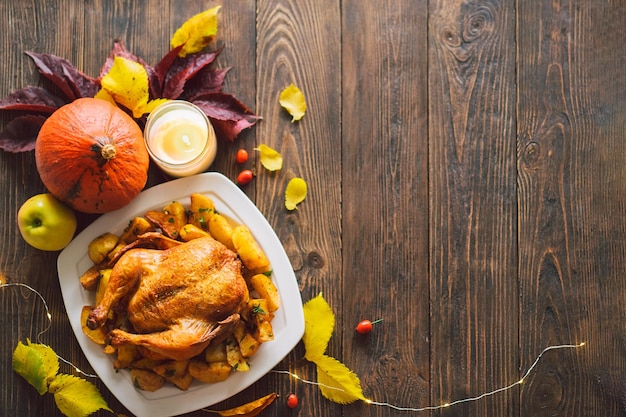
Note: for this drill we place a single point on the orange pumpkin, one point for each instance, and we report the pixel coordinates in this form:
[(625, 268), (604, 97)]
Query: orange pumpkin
[(91, 155)]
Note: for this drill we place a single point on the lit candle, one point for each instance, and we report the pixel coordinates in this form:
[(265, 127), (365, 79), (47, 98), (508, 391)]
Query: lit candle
[(180, 138)]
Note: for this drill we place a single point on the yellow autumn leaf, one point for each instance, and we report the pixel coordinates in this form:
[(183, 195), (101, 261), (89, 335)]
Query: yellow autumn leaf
[(76, 397), (337, 382), (292, 100), (50, 359), (250, 409), (102, 94), (295, 193), (319, 324), (196, 33), (127, 83), (29, 363), (270, 159)]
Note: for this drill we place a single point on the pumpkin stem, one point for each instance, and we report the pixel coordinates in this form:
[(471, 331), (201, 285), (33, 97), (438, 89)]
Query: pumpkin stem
[(108, 151)]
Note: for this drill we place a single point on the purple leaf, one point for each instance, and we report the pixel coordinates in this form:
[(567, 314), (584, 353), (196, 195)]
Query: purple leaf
[(163, 66), (31, 98), (83, 85), (228, 115), (206, 81), (183, 69), (20, 135), (72, 82), (51, 67)]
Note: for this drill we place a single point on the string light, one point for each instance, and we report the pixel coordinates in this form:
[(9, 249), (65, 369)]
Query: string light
[(4, 284), (453, 403), (297, 378), (49, 317)]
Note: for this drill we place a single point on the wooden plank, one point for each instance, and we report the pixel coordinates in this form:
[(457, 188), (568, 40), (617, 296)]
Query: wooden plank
[(144, 30), (572, 188), (472, 165), (46, 28), (299, 43), (385, 200)]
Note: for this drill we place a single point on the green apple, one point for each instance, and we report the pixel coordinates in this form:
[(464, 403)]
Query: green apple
[(46, 223)]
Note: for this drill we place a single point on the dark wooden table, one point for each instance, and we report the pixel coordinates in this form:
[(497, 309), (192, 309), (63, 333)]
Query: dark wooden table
[(467, 184)]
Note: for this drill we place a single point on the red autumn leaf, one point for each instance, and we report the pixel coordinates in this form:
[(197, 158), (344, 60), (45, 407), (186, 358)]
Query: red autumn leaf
[(20, 134), (164, 65), (31, 98), (206, 81), (228, 115), (72, 82), (183, 69)]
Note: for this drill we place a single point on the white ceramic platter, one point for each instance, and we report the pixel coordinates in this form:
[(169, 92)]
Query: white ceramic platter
[(288, 323)]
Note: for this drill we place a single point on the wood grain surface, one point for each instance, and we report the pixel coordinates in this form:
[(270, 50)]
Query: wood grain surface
[(467, 185)]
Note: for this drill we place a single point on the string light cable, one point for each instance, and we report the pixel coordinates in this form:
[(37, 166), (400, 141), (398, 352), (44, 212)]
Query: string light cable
[(295, 376), (49, 324), (449, 404)]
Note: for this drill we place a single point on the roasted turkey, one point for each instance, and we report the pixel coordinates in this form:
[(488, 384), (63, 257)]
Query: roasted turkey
[(177, 296)]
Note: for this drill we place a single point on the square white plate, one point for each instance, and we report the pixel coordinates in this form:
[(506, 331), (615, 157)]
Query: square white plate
[(288, 323)]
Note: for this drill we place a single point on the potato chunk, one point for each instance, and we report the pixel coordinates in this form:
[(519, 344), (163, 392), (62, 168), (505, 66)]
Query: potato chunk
[(99, 248), (249, 250), (209, 372), (146, 380)]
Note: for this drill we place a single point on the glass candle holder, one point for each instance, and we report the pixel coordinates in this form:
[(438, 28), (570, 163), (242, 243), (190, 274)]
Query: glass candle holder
[(180, 138)]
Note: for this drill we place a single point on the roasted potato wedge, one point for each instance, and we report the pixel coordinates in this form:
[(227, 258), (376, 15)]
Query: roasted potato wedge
[(146, 380), (201, 209), (171, 369), (145, 363), (170, 220), (183, 382), (234, 357), (126, 355), (89, 280), (266, 289), (99, 248), (209, 372), (137, 226), (215, 352), (189, 232), (249, 250), (221, 229), (262, 319)]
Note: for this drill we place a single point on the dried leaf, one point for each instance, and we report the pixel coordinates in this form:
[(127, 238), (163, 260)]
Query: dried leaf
[(183, 69), (228, 115), (72, 82), (270, 159), (250, 409), (76, 397), (20, 134), (295, 193), (292, 100), (337, 382), (31, 98), (319, 324), (196, 33)]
